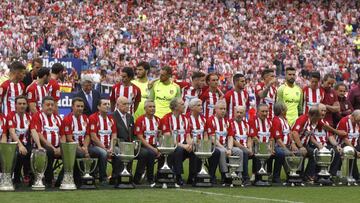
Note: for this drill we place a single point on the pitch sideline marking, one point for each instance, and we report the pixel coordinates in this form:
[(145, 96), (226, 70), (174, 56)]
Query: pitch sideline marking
[(238, 196)]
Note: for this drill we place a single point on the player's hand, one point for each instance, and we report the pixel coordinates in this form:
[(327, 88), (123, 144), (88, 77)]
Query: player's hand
[(341, 133), (22, 150), (273, 81), (57, 151), (303, 151), (228, 152), (338, 149)]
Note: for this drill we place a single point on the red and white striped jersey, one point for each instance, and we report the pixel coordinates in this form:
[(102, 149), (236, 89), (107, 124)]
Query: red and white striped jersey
[(102, 127), (280, 129), (234, 98), (148, 128), (75, 126), (220, 127), (261, 129), (8, 92), (47, 126), (321, 135), (53, 88), (196, 126), (312, 97), (209, 100), (353, 132), (240, 131), (132, 93), (177, 126), (188, 93), (35, 93), (3, 125), (305, 129), (269, 99), (21, 125)]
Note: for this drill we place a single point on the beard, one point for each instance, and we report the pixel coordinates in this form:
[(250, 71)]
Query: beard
[(291, 81)]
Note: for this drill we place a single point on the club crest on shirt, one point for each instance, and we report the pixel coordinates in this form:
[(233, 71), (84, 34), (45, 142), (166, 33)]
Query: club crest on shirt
[(10, 122), (66, 128), (298, 127), (27, 122), (331, 95), (171, 91), (297, 93), (138, 129), (29, 95), (92, 127), (58, 93)]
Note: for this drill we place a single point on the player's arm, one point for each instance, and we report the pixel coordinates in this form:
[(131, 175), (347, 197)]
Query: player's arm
[(335, 108), (300, 106), (316, 143), (279, 94), (137, 100), (15, 138)]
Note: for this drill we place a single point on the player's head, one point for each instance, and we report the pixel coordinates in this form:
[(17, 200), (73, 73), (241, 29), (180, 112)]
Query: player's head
[(142, 69), (239, 81), (195, 105), (18, 70), (48, 105), (314, 113), (177, 105), (240, 112), (329, 81), (220, 108), (104, 105), (21, 104), (263, 111), (86, 83), (149, 107), (77, 105), (44, 75), (322, 109), (290, 75), (314, 79), (36, 64), (198, 79), (58, 69), (165, 73), (123, 104), (267, 75), (280, 109), (356, 116), (127, 74), (212, 80), (341, 89)]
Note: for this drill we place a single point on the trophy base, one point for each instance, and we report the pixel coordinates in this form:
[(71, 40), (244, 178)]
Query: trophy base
[(263, 181), (38, 187), (125, 182), (165, 176), (203, 180), (294, 181), (325, 180), (87, 184), (67, 187), (7, 188)]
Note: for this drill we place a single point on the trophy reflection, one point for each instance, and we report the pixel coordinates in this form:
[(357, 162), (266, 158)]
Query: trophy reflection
[(68, 151), (203, 150), (87, 166), (126, 154), (7, 160), (167, 145), (323, 159), (38, 163), (262, 151)]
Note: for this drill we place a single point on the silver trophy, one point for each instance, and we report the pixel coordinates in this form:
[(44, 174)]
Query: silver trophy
[(167, 145), (348, 157), (262, 151), (203, 150), (293, 165), (126, 155), (233, 165), (68, 151), (323, 158), (38, 163), (7, 160), (87, 166)]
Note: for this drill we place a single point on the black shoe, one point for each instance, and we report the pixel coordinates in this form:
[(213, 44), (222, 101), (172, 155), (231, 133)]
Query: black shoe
[(213, 180), (179, 180), (276, 180), (190, 181), (112, 181), (246, 182), (137, 179)]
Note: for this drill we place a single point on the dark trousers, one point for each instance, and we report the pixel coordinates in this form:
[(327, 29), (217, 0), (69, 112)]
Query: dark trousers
[(146, 158), (49, 172), (355, 171), (101, 155), (118, 167), (213, 163), (176, 161), (22, 162)]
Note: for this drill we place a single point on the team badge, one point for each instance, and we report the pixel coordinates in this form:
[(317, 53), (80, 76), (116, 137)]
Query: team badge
[(331, 95), (171, 91), (66, 128), (58, 93), (92, 127), (10, 123), (277, 133), (298, 127), (297, 93), (138, 129), (29, 95)]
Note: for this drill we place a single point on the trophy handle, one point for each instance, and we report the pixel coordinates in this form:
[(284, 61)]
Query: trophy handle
[(138, 143), (315, 153), (78, 161), (95, 160), (332, 154)]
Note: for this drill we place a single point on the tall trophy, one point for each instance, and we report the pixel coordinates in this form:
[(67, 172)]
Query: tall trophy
[(87, 166), (126, 155), (348, 157), (323, 159), (262, 151), (7, 160), (167, 145), (233, 178), (68, 151), (203, 151), (38, 163), (293, 165)]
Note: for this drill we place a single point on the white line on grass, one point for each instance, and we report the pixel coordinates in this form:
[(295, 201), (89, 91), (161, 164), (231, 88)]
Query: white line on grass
[(239, 196)]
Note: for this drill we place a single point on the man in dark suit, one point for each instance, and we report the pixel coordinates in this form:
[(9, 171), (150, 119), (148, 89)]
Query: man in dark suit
[(89, 95), (125, 130)]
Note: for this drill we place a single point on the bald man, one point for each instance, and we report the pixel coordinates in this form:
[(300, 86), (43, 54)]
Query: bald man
[(125, 129)]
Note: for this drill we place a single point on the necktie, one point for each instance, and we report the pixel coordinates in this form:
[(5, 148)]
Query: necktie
[(90, 101), (124, 120)]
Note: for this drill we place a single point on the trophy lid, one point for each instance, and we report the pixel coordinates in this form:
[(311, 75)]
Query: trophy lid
[(348, 150)]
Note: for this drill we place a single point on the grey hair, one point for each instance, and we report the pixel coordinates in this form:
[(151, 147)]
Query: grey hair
[(279, 107), (218, 103), (240, 107), (174, 102), (355, 113), (86, 78), (193, 102), (261, 105), (147, 102)]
